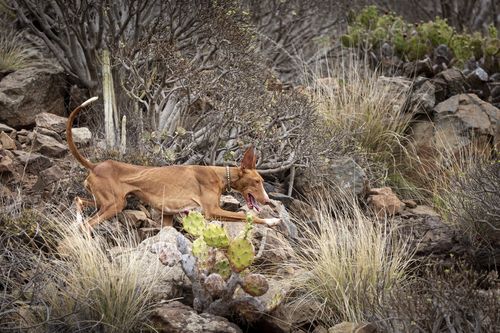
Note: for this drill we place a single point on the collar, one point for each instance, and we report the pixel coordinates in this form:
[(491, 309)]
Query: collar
[(228, 178)]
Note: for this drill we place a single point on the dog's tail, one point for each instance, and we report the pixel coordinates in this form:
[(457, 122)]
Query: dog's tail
[(69, 136)]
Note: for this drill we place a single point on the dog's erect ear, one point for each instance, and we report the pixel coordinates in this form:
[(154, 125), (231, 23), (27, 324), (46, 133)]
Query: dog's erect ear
[(249, 159)]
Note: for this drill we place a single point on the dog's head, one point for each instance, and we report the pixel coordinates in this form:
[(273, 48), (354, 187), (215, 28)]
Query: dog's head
[(250, 183)]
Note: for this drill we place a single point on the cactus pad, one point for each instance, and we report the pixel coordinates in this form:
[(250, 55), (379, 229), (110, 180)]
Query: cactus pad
[(215, 285), (255, 284), (240, 253), (215, 235), (222, 268), (194, 223), (200, 249)]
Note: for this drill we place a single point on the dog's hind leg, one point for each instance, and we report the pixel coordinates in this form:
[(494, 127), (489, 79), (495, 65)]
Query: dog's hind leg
[(80, 203), (105, 212)]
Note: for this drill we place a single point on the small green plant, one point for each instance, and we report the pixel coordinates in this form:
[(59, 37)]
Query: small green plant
[(217, 265), (15, 53), (370, 29)]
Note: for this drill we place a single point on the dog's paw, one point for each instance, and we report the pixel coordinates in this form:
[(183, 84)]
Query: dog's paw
[(272, 222)]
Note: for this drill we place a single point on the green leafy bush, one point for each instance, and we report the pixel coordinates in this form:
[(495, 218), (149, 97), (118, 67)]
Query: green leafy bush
[(369, 30)]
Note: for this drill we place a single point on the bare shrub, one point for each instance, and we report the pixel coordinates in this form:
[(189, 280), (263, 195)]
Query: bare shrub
[(454, 300), (472, 200)]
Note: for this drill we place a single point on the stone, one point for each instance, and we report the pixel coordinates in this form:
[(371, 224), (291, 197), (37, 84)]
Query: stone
[(175, 317), (418, 68), (6, 165), (173, 282), (448, 83), (422, 210), (384, 202), (48, 132), (230, 203), (25, 136), (344, 172), (33, 162), (7, 142), (347, 327), (302, 210), (47, 177), (135, 217), (81, 135), (410, 203), (423, 97), (429, 235), (478, 83), (49, 146), (51, 121), (283, 198), (6, 129), (467, 116), (30, 91)]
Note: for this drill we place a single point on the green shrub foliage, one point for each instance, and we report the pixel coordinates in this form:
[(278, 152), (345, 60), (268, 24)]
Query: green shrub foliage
[(370, 30)]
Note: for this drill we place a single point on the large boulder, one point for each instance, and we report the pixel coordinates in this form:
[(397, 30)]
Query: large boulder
[(466, 117), (173, 282), (30, 91), (343, 172)]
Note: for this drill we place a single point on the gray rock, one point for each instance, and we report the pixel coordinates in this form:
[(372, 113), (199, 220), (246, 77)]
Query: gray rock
[(33, 162), (418, 68), (49, 146), (81, 135), (173, 281), (51, 121), (228, 202), (176, 317), (343, 172), (449, 83), (6, 129), (467, 116), (30, 91), (423, 98), (6, 141), (47, 177), (48, 132)]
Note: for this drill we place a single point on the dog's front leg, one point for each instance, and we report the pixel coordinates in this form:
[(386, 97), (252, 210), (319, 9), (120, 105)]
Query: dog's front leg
[(217, 212)]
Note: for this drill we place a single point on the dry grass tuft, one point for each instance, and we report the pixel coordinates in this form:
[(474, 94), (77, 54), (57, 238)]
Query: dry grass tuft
[(91, 289), (15, 53), (350, 261), (364, 109)]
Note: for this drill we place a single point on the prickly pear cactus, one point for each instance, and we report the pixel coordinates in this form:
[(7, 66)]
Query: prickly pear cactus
[(240, 253), (222, 268), (215, 235), (215, 285), (194, 223), (200, 248), (255, 284)]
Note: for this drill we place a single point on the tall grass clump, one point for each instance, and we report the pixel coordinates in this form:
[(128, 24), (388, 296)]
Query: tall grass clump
[(365, 109), (93, 289), (15, 52), (350, 261)]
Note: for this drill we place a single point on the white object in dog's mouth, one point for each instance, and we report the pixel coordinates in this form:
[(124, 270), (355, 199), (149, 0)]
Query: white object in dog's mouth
[(252, 203)]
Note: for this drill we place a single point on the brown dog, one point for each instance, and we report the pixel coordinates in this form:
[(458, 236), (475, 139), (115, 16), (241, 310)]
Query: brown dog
[(170, 189)]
